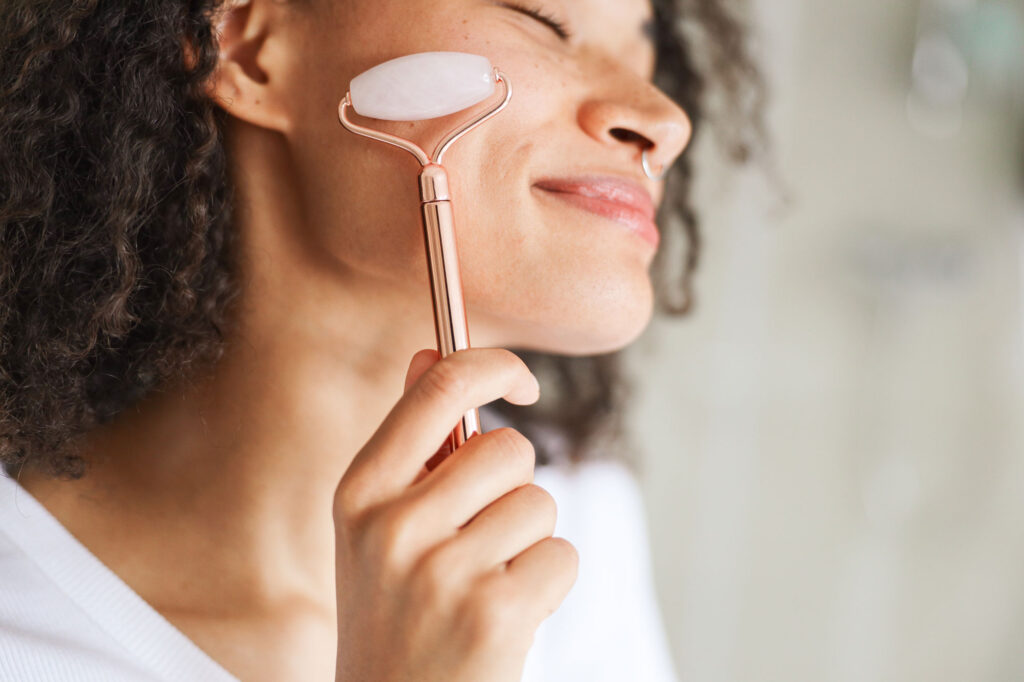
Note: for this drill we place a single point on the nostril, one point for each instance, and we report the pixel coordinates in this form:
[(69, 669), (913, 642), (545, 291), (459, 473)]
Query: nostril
[(626, 135)]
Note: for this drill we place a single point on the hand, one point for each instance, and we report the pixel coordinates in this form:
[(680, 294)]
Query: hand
[(445, 575)]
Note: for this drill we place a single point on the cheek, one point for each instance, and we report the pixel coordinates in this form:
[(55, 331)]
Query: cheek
[(533, 277), (360, 196), (543, 277), (360, 206)]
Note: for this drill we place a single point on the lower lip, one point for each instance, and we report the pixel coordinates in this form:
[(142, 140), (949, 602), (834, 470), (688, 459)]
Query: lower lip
[(637, 221)]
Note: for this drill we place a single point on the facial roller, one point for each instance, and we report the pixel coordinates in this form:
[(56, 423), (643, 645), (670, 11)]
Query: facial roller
[(414, 88)]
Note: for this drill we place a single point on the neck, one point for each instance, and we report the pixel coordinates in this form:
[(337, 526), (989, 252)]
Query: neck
[(235, 470)]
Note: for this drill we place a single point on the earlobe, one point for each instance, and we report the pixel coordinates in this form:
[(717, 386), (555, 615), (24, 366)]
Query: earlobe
[(245, 83)]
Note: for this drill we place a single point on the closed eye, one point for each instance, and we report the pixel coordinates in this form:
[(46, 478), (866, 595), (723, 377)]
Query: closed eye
[(536, 13)]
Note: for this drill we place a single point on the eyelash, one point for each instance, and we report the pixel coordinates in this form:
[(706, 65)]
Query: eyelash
[(543, 17)]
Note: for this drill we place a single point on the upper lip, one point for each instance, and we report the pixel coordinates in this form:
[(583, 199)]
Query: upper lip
[(616, 190)]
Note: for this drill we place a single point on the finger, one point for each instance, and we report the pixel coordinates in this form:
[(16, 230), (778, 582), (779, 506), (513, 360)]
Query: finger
[(500, 532), (439, 456), (435, 459), (484, 469), (546, 572), (422, 419)]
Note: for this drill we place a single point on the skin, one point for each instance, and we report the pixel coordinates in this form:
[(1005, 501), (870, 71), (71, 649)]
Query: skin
[(213, 498)]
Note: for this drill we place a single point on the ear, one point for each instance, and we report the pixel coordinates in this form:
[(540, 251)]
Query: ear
[(248, 82)]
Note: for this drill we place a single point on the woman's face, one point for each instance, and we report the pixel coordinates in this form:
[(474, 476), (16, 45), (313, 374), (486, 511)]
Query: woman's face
[(538, 271)]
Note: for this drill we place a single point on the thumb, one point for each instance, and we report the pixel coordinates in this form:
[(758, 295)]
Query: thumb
[(421, 362)]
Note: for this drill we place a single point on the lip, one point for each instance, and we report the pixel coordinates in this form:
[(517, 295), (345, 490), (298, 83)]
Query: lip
[(624, 201)]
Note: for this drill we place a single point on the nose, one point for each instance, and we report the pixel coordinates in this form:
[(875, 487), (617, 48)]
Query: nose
[(638, 116)]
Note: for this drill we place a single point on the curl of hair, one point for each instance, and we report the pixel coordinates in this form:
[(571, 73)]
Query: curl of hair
[(117, 268), (115, 240)]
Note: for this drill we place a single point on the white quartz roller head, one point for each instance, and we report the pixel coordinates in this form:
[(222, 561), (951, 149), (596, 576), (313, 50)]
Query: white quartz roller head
[(421, 86)]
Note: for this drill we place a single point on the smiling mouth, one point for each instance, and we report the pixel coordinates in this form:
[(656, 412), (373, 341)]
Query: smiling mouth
[(622, 201)]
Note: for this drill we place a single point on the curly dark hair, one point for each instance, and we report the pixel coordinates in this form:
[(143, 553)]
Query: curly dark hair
[(117, 267)]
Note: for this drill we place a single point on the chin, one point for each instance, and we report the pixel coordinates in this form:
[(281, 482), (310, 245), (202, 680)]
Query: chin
[(602, 341), (597, 328)]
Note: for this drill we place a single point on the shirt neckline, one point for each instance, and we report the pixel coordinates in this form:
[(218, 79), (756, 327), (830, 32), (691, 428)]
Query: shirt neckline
[(101, 594)]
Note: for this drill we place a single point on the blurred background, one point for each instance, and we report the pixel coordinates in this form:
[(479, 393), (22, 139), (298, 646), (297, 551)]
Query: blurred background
[(833, 443)]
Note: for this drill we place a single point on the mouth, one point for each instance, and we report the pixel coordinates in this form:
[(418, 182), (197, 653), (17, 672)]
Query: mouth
[(617, 199)]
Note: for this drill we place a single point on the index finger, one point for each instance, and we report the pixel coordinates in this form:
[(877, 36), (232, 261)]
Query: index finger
[(421, 420)]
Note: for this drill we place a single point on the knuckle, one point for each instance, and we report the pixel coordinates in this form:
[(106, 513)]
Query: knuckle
[(346, 504), (351, 499), (541, 502), (431, 577), (493, 612), (351, 514), (511, 358), (516, 450), (443, 382), (387, 534)]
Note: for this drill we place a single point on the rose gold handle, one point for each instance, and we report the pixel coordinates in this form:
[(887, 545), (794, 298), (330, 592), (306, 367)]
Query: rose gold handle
[(450, 324)]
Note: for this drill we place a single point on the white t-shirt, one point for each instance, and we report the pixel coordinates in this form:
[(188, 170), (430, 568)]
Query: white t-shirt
[(65, 616)]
